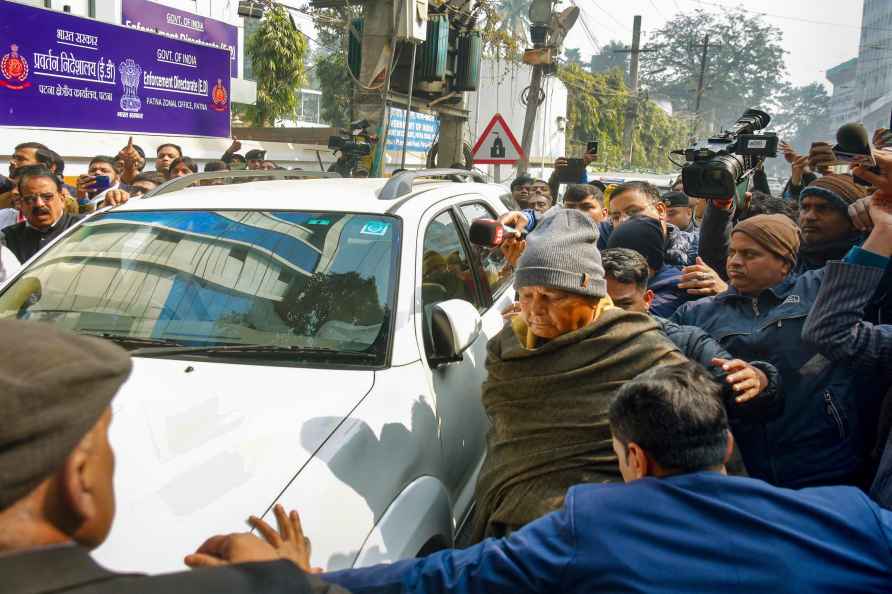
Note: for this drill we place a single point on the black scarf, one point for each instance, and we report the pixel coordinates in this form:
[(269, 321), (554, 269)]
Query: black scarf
[(814, 255)]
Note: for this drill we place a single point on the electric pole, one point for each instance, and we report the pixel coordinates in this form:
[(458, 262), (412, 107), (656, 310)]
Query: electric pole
[(529, 120), (547, 33), (632, 105), (701, 84)]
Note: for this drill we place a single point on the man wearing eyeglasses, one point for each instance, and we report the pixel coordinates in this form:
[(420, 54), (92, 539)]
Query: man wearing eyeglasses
[(43, 207)]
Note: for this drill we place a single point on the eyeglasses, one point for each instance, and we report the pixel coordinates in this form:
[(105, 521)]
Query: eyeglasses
[(32, 199)]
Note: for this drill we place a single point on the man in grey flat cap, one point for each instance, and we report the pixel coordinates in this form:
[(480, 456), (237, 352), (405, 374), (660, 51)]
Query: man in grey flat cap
[(56, 477)]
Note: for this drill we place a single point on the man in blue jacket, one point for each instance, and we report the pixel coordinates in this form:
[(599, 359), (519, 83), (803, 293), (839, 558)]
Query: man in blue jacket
[(678, 525), (820, 439), (837, 326), (752, 391)]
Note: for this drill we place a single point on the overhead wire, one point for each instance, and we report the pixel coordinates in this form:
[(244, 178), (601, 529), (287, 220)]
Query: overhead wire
[(659, 12), (613, 18), (588, 30), (790, 18)]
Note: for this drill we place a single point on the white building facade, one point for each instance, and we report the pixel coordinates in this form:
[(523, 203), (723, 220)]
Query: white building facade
[(873, 81), (501, 86)]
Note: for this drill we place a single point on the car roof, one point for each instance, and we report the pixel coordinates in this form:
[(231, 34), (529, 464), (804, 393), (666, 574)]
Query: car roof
[(328, 194)]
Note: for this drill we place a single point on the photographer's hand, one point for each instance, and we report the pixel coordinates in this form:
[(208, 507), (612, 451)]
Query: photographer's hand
[(881, 181), (799, 165)]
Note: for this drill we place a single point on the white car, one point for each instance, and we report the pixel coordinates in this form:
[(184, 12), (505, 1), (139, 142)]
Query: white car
[(316, 343)]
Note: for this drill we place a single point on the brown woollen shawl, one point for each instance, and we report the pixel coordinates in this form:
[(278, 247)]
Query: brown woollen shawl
[(548, 411)]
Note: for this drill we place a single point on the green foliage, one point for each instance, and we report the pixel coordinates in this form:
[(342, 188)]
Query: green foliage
[(277, 51), (337, 88), (596, 110), (745, 70), (500, 40), (330, 63), (515, 19), (802, 115)]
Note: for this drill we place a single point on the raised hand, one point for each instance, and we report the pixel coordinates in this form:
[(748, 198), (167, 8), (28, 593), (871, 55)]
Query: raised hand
[(701, 280)]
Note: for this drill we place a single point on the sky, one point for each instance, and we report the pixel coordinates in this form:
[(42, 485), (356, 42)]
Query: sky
[(812, 48)]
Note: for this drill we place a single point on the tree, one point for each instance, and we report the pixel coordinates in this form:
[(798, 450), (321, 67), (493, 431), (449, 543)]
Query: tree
[(596, 110), (803, 113), (609, 58), (330, 63), (276, 50), (337, 88), (573, 55), (515, 17), (310, 302), (745, 71)]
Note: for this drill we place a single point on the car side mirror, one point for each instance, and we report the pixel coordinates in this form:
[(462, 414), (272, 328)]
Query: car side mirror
[(455, 325)]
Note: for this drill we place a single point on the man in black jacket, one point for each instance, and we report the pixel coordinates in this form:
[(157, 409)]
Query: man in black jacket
[(627, 277), (56, 477), (43, 207)]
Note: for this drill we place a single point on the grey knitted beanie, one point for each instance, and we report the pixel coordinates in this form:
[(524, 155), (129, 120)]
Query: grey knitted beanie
[(562, 253)]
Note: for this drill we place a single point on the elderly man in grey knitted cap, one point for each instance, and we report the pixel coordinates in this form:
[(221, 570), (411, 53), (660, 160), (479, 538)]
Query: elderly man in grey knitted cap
[(56, 467), (552, 372)]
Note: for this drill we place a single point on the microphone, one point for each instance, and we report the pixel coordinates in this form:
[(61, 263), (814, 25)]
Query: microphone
[(853, 146), (489, 233), (852, 138)]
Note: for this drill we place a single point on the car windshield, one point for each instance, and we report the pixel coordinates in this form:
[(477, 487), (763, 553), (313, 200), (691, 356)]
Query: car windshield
[(308, 282)]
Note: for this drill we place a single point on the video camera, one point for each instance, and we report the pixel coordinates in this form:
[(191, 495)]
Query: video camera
[(354, 142), (717, 165)]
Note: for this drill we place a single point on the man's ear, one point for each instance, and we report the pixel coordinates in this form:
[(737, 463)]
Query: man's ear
[(729, 449), (75, 483), (661, 210), (637, 461), (648, 297)]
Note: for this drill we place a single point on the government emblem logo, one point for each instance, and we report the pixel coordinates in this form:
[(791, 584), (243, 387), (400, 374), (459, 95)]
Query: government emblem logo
[(14, 69), (219, 96), (131, 76)]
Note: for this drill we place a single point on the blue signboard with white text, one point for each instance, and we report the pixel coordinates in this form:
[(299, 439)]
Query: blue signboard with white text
[(66, 72), (179, 24), (423, 130)]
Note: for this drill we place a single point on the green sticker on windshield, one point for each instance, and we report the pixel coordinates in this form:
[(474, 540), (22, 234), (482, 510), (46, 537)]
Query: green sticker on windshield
[(375, 228), (319, 222)]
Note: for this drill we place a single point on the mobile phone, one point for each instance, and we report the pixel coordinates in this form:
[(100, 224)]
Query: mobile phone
[(101, 183), (573, 172), (592, 147), (865, 160)]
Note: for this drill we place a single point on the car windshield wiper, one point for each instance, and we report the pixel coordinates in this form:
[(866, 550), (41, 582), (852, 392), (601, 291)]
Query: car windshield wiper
[(135, 340), (234, 349)]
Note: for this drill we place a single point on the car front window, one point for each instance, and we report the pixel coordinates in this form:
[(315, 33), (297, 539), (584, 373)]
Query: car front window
[(308, 282)]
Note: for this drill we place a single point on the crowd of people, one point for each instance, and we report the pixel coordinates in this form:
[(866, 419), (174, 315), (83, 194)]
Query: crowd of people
[(688, 395), (36, 205)]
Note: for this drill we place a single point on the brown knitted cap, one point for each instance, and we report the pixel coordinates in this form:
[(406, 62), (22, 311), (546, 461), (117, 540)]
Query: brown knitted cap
[(840, 189), (775, 232), (820, 153), (54, 387)]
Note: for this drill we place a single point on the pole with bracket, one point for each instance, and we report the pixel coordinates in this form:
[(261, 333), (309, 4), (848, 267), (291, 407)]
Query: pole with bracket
[(409, 106)]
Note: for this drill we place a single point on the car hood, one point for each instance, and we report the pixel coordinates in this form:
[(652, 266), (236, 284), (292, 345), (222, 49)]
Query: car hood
[(200, 446)]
